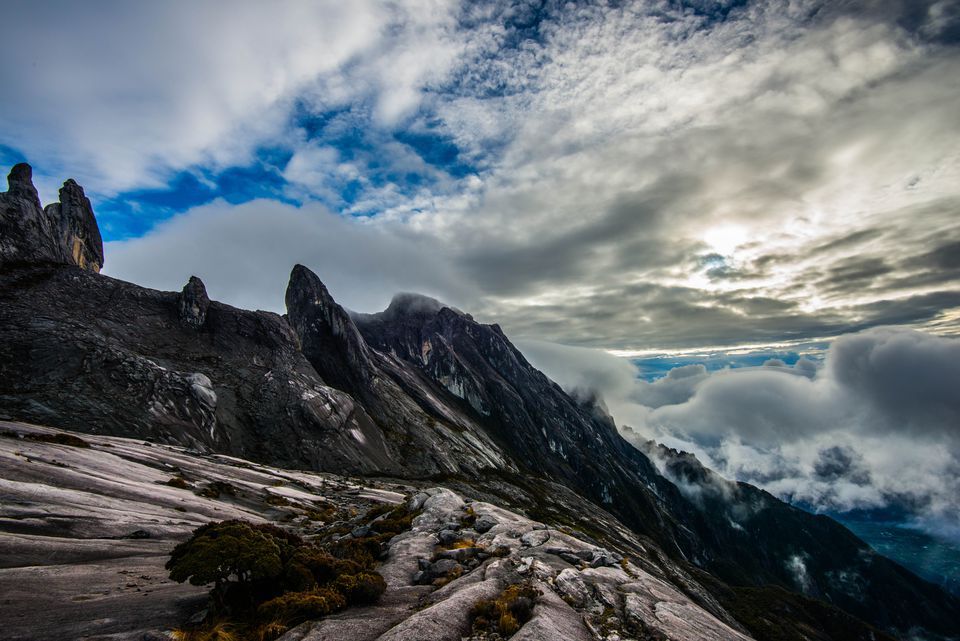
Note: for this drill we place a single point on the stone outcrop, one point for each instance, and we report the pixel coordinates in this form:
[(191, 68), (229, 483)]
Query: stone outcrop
[(63, 233), (194, 303), (79, 236)]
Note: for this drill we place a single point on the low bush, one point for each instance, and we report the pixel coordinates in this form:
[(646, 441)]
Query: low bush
[(506, 613), (179, 482), (265, 579), (362, 588), (217, 631), (214, 489), (293, 608)]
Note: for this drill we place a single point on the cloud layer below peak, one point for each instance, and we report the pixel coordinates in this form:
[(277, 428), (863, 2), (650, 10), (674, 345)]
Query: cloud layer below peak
[(876, 426)]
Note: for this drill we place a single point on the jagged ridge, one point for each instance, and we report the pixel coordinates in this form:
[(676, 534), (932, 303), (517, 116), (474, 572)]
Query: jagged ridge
[(418, 390)]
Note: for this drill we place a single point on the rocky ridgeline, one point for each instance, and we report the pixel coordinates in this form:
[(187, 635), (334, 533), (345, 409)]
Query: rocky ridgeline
[(64, 233), (419, 391)]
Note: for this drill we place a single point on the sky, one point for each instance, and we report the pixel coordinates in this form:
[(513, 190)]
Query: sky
[(680, 186)]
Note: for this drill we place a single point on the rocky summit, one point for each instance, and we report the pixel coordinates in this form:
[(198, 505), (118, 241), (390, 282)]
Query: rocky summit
[(134, 416), (63, 233)]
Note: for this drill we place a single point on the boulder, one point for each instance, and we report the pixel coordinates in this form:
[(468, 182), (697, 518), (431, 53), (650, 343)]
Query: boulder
[(484, 524)]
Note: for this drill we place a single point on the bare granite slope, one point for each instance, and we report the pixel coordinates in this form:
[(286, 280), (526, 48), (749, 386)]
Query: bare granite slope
[(84, 533)]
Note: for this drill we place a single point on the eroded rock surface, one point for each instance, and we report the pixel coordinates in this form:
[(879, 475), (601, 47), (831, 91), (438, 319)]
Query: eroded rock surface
[(63, 233)]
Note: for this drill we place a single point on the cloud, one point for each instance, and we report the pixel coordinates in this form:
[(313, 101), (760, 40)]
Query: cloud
[(123, 96), (631, 176), (876, 426), (243, 251)]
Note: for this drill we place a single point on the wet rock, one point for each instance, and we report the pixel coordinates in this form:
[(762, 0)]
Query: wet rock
[(442, 567), (604, 558), (567, 555), (530, 566), (201, 387), (416, 501)]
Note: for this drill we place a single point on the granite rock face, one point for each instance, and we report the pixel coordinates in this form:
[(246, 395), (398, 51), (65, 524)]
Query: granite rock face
[(433, 433), (63, 233)]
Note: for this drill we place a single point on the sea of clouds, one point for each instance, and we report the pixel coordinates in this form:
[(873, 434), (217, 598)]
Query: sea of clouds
[(875, 426)]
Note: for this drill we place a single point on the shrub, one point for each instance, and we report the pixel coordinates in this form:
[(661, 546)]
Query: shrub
[(179, 482), (397, 520), (242, 562), (508, 624), (217, 631), (507, 612), (214, 489), (266, 578), (296, 607), (361, 589), (218, 551)]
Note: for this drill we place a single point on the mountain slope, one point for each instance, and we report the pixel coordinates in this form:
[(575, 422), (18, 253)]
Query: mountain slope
[(418, 391)]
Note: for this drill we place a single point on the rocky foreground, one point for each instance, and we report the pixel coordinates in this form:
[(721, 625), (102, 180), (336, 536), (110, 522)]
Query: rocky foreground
[(87, 523)]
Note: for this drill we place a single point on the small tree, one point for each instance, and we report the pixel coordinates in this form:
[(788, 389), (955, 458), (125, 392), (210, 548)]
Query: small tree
[(232, 555)]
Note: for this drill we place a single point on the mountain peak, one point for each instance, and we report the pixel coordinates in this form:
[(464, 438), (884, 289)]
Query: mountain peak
[(79, 233), (63, 233), (408, 303), (20, 182), (328, 336)]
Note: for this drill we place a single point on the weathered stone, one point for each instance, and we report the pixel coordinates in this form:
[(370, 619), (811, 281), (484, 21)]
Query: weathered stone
[(484, 524), (20, 183), (535, 538), (571, 585), (79, 235), (194, 303), (447, 537), (459, 554)]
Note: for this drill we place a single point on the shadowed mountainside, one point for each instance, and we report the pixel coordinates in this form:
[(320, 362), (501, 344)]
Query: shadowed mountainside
[(418, 391)]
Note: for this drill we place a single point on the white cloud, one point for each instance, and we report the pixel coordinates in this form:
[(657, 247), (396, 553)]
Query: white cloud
[(877, 426), (646, 177), (242, 251), (121, 95)]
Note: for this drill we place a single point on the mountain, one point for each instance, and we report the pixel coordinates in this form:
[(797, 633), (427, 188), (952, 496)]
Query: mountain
[(420, 391)]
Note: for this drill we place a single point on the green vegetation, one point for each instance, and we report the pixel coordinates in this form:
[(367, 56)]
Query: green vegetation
[(506, 613), (265, 579)]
